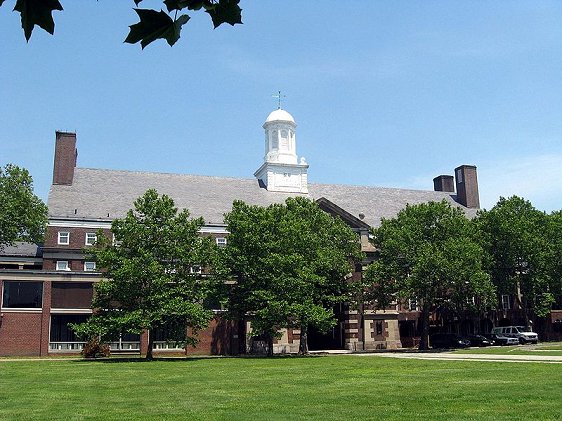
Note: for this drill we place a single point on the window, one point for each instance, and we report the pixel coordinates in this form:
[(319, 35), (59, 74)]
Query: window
[(64, 238), (116, 242), (90, 238), (89, 266), (63, 265), (221, 242), (195, 269), (60, 331), (412, 304), (22, 294), (378, 328), (470, 300), (506, 302)]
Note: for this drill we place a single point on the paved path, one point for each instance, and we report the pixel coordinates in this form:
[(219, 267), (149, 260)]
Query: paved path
[(552, 359)]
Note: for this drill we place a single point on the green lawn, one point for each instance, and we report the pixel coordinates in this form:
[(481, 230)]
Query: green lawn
[(543, 348), (323, 388)]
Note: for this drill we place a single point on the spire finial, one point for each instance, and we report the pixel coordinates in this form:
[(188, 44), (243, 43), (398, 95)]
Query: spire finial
[(278, 96)]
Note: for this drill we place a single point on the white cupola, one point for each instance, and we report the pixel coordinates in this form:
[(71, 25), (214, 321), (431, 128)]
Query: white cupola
[(281, 171)]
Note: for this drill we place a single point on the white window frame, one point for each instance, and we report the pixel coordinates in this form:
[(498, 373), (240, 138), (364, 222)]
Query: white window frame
[(90, 239), (61, 236), (92, 267), (62, 265), (195, 269), (413, 304), (221, 241), (506, 302), (114, 241)]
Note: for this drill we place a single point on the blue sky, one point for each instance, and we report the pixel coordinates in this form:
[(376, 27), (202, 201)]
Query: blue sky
[(386, 93)]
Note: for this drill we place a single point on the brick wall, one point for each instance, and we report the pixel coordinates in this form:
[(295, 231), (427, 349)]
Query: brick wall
[(77, 240), (20, 334)]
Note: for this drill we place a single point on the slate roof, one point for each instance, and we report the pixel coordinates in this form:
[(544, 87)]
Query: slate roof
[(21, 249), (108, 194)]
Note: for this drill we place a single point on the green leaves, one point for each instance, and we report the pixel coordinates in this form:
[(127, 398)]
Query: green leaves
[(148, 281), (428, 252), (290, 262), (23, 216), (226, 11), (154, 25), (37, 12)]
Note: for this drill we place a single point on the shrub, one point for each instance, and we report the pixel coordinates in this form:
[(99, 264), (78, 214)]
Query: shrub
[(95, 349)]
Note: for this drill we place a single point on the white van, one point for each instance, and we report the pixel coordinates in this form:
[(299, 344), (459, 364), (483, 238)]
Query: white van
[(516, 332)]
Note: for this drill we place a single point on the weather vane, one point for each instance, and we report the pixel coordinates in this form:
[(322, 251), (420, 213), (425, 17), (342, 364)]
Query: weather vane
[(278, 96)]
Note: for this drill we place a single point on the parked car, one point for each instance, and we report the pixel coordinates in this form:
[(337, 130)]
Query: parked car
[(478, 340), (518, 332), (448, 340), (503, 340)]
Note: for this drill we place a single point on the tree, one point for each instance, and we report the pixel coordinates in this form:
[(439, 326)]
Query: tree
[(290, 262), (153, 24), (151, 274), (515, 236), (23, 216), (428, 252)]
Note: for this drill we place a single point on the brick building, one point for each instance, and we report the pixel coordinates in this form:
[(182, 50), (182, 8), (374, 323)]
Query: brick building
[(44, 288)]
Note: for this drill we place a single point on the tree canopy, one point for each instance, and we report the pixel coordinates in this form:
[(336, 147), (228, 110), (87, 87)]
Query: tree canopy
[(152, 277), (290, 263), (152, 24), (428, 252), (522, 245), (23, 216)]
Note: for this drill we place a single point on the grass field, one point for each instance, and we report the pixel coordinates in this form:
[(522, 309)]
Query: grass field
[(323, 388)]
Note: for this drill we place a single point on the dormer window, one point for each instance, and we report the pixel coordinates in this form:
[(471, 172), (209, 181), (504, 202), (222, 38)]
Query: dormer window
[(64, 238)]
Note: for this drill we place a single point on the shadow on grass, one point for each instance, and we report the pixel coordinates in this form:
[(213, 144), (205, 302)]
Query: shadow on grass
[(118, 359)]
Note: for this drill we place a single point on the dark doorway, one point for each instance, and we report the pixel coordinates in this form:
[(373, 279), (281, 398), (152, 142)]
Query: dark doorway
[(329, 340), (333, 338)]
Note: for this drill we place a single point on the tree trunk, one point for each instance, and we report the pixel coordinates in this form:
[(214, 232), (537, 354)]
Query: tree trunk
[(303, 343), (270, 346), (149, 356), (424, 340)]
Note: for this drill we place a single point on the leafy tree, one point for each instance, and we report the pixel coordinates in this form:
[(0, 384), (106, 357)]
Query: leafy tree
[(23, 216), (553, 291), (152, 24), (150, 281), (514, 235), (428, 252), (290, 262)]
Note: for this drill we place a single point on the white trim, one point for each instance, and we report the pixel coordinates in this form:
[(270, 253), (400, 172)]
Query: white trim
[(66, 234), (214, 229), (66, 269), (71, 311), (78, 224), (64, 223), (21, 310), (93, 269), (87, 236)]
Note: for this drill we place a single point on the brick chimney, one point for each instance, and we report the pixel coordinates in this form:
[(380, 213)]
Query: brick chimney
[(444, 183), (467, 186), (65, 158)]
